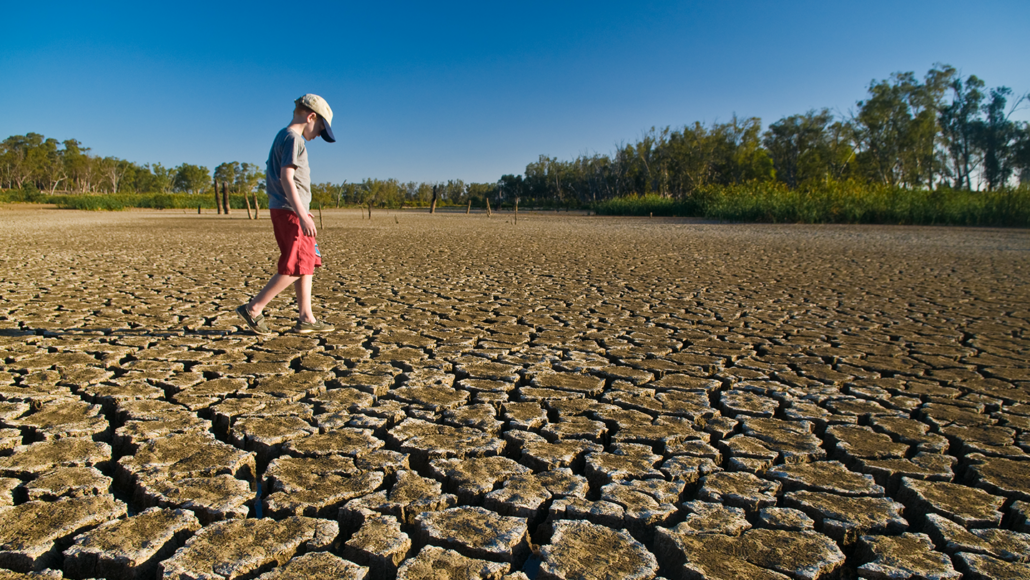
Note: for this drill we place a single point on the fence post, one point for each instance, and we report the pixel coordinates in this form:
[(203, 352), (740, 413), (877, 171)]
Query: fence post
[(468, 209), (432, 206), (319, 215), (246, 198), (218, 204), (225, 198), (257, 206), (488, 213), (516, 211)]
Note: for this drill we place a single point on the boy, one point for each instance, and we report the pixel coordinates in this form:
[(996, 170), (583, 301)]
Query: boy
[(289, 196)]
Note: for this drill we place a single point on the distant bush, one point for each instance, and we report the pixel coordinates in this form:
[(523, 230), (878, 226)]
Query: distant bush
[(28, 194), (92, 202), (837, 202)]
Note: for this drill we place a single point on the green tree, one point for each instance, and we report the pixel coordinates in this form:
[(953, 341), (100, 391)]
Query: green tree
[(478, 192), (510, 187), (323, 194), (959, 127), (593, 177), (79, 165), (996, 137), (226, 173), (896, 128), (809, 147), (924, 163), (799, 146), (1021, 153), (651, 157), (152, 179), (240, 177), (23, 158), (191, 178), (52, 171), (414, 191), (453, 191), (547, 178), (249, 177), (693, 157), (741, 157), (114, 171), (724, 154)]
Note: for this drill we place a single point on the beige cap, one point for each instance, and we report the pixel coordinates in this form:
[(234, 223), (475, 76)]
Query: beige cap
[(318, 105)]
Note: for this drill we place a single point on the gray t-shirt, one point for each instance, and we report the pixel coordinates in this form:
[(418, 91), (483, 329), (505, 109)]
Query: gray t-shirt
[(288, 149)]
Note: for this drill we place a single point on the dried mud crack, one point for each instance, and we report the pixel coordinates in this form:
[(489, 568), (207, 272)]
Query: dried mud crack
[(571, 397)]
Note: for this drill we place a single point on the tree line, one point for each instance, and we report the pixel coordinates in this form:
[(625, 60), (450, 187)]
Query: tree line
[(51, 166), (393, 193), (941, 131)]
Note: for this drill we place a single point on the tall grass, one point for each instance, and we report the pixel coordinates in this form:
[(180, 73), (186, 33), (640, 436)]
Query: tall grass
[(843, 202), (650, 205)]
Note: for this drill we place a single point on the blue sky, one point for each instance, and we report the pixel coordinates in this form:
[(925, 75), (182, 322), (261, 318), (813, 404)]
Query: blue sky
[(468, 90)]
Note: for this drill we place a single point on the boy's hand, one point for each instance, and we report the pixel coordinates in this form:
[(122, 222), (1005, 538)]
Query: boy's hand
[(307, 225), (307, 221)]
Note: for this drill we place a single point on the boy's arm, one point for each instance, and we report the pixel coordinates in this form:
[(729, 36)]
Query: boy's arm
[(307, 223)]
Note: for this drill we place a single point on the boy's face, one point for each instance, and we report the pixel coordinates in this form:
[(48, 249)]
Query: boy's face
[(313, 127)]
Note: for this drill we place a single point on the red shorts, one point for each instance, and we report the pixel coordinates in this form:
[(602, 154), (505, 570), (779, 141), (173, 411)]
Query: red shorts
[(298, 254)]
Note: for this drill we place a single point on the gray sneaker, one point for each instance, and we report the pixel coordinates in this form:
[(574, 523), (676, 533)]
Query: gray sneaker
[(256, 323), (309, 327)]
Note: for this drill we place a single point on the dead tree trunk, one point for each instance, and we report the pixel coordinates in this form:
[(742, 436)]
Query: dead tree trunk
[(468, 209), (225, 197), (432, 204), (246, 198), (370, 210), (516, 211), (488, 212), (218, 203), (257, 206), (319, 215)]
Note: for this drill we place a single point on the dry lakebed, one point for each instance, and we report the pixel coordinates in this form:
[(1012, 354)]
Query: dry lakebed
[(566, 397)]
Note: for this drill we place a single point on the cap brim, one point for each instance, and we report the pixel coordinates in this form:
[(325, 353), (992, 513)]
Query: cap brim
[(327, 132)]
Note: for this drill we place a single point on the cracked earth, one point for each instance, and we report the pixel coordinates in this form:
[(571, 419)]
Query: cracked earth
[(569, 397)]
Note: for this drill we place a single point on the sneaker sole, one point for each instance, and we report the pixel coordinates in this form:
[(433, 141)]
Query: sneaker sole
[(311, 330)]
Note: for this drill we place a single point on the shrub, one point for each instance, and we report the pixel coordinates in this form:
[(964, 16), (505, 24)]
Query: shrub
[(27, 194)]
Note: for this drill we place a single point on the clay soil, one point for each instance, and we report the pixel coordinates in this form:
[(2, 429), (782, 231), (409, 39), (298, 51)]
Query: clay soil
[(689, 332)]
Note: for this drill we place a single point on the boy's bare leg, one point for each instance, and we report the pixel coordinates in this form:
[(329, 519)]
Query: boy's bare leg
[(277, 284), (303, 287)]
